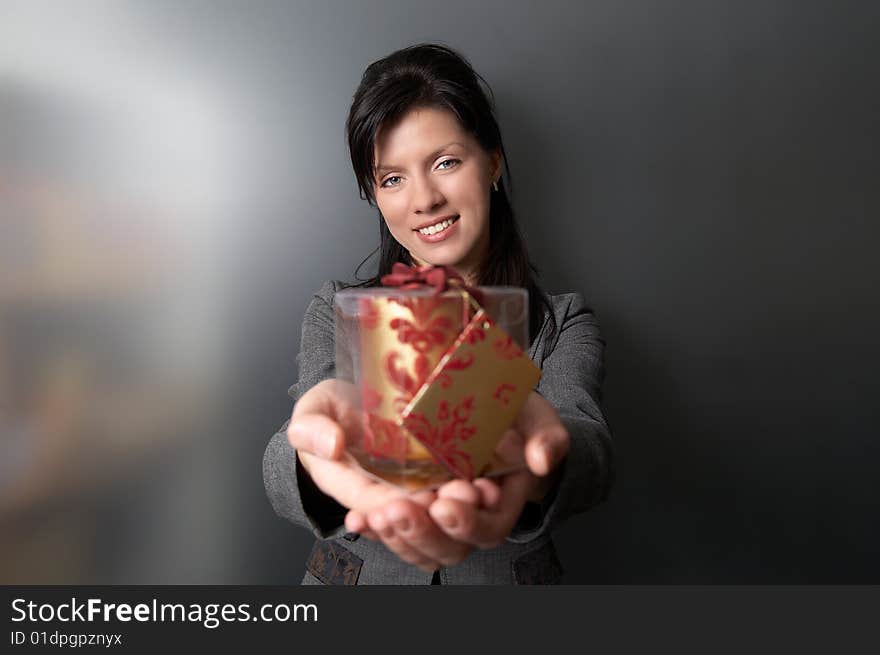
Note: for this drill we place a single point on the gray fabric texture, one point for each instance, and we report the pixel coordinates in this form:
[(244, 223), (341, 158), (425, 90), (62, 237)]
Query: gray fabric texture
[(571, 359)]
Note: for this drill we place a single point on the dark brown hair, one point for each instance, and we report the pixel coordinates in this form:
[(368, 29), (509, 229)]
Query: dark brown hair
[(432, 75)]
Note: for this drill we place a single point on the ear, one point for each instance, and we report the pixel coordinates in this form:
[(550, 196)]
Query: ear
[(495, 161)]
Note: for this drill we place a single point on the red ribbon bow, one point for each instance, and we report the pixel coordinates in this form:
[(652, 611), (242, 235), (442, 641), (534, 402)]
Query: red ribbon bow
[(442, 278)]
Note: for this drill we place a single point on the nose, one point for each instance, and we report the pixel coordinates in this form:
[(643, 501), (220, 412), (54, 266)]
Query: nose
[(426, 196)]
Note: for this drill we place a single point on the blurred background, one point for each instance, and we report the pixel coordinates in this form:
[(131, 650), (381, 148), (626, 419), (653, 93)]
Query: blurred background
[(174, 185)]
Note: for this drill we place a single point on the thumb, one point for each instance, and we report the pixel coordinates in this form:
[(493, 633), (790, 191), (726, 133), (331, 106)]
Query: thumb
[(316, 434), (546, 449), (547, 440), (316, 425)]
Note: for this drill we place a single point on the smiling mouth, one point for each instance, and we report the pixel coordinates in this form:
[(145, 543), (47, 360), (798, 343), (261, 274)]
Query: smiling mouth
[(439, 226)]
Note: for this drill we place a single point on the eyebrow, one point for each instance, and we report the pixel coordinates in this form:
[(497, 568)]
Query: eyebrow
[(384, 168)]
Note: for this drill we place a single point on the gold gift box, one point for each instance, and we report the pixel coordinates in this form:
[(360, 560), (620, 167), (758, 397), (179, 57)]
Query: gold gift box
[(440, 379)]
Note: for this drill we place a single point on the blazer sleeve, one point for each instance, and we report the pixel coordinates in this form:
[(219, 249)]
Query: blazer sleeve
[(573, 372), (289, 488)]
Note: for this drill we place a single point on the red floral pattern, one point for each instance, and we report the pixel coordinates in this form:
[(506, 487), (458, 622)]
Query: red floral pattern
[(507, 348), (454, 364), (400, 377), (408, 338), (384, 438), (502, 393), (370, 398), (475, 334), (369, 314), (423, 336), (421, 308), (444, 435)]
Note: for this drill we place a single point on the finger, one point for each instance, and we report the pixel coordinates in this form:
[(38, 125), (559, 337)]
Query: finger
[(396, 544), (413, 524), (357, 523), (514, 489), (317, 434), (460, 490), (464, 522), (334, 398), (424, 497), (546, 449), (348, 484), (484, 528), (490, 493), (547, 440), (510, 448), (323, 416)]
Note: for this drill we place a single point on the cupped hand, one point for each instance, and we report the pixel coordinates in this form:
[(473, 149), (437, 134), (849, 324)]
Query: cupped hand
[(324, 419), (406, 528), (544, 442), (482, 513)]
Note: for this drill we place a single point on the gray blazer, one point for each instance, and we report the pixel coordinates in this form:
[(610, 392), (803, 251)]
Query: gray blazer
[(571, 357)]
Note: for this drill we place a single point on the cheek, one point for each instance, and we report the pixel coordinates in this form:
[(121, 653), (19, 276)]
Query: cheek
[(391, 209), (464, 194), (475, 198), (395, 218)]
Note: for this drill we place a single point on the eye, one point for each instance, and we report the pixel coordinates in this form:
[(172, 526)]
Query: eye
[(391, 180), (452, 164)]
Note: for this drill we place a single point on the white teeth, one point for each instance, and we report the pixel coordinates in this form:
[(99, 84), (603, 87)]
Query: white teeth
[(437, 227)]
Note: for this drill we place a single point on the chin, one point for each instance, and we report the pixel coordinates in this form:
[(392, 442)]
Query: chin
[(438, 258)]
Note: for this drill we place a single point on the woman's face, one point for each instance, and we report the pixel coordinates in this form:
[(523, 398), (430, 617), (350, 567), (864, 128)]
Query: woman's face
[(433, 181)]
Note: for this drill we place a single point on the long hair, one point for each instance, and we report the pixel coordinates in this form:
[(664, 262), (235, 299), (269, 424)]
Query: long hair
[(432, 75)]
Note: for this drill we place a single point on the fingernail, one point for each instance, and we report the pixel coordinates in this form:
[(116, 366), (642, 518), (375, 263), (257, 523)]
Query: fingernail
[(326, 445), (448, 520), (547, 452), (548, 457)]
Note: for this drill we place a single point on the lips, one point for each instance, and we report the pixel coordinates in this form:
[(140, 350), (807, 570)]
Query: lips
[(434, 221), (442, 235)]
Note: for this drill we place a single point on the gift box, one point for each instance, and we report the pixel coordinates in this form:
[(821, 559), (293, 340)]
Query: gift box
[(440, 371)]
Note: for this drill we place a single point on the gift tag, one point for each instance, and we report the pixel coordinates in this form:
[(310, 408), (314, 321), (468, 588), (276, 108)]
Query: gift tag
[(471, 398)]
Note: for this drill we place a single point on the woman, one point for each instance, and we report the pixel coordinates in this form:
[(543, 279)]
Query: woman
[(427, 150)]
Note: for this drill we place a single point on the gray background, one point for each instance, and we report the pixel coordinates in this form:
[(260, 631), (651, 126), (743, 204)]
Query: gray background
[(705, 173)]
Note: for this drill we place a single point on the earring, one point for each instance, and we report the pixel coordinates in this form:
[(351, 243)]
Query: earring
[(495, 185)]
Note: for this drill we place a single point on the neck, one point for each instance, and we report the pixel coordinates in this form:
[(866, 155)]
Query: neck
[(470, 277), (469, 273)]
